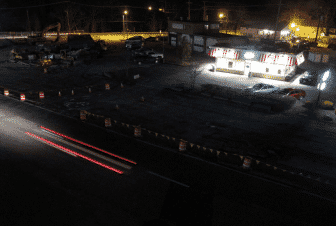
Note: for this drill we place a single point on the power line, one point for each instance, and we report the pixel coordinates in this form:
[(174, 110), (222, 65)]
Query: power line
[(28, 7)]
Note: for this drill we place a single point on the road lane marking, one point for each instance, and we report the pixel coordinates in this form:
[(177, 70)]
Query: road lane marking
[(74, 153), (91, 152), (166, 178), (88, 145)]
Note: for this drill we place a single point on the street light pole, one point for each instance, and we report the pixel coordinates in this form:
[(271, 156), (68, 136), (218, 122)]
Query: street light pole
[(163, 59), (123, 23), (276, 25), (318, 25)]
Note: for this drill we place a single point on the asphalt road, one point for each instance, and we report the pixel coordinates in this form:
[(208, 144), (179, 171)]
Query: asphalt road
[(43, 185)]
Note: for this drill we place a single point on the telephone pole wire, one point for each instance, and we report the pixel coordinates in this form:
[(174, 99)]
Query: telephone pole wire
[(276, 25), (189, 9)]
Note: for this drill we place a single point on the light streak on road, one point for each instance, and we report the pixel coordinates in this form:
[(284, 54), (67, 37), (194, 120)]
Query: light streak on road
[(88, 145), (72, 152), (89, 152)]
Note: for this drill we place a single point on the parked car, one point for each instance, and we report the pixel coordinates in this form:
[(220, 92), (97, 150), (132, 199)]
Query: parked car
[(152, 39), (135, 42), (134, 45), (262, 88), (299, 94), (146, 59), (76, 42), (142, 51), (136, 38)]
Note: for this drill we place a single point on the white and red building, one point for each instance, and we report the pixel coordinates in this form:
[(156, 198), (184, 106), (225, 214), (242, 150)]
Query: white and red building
[(255, 63)]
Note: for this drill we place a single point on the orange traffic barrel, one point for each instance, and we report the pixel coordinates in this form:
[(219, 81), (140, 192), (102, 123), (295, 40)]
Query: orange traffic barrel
[(22, 97), (6, 92), (137, 131), (107, 86), (41, 94), (247, 163), (107, 122), (83, 115), (183, 145)]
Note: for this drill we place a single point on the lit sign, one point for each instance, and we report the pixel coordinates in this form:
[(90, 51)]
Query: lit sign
[(270, 58), (249, 55), (231, 54)]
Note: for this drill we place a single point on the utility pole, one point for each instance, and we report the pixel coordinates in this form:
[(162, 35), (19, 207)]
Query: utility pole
[(276, 25), (318, 25), (68, 21), (28, 21), (189, 9), (204, 11)]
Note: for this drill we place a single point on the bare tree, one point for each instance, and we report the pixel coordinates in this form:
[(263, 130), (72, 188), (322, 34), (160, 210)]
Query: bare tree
[(240, 17), (93, 21), (153, 24), (37, 24)]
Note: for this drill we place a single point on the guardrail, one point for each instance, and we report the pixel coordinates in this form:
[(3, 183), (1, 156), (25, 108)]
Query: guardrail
[(23, 34)]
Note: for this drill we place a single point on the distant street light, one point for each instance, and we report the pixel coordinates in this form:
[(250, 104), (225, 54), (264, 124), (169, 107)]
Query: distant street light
[(125, 21), (149, 8)]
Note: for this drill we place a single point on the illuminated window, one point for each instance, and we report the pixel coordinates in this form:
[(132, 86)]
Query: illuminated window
[(270, 58), (231, 54), (282, 59)]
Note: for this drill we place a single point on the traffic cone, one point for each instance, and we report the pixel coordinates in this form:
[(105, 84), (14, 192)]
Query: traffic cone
[(89, 90), (72, 92), (59, 93)]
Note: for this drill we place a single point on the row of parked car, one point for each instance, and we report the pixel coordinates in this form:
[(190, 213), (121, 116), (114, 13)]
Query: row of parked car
[(262, 88), (141, 54)]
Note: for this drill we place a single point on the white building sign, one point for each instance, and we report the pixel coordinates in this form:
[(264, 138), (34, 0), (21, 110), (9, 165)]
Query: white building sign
[(177, 26)]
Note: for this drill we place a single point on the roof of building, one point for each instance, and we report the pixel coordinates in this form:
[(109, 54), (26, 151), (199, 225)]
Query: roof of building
[(260, 24), (195, 22), (218, 35)]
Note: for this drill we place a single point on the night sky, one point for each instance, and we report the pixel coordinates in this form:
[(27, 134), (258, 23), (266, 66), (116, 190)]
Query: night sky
[(111, 14)]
